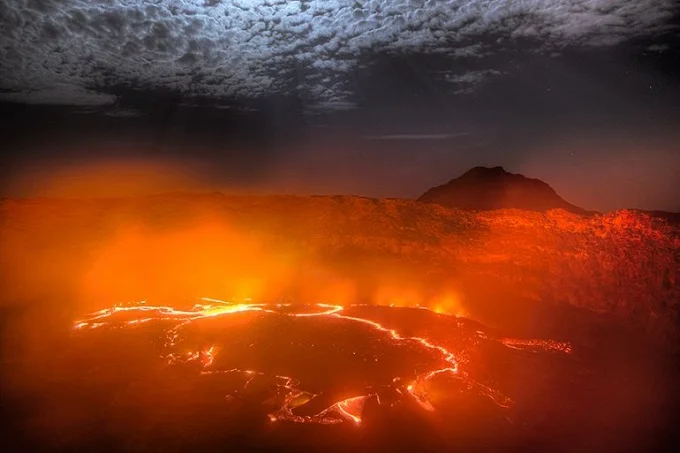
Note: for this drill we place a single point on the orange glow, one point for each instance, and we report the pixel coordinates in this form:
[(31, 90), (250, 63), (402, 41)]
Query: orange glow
[(209, 256), (205, 257), (110, 178), (449, 303)]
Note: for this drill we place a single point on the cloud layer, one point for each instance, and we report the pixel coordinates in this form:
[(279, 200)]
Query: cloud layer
[(70, 51)]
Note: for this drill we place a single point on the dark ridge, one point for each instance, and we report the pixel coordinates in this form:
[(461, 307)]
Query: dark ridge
[(487, 188), (672, 218)]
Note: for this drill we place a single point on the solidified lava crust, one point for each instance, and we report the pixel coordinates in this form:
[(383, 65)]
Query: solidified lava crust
[(317, 363)]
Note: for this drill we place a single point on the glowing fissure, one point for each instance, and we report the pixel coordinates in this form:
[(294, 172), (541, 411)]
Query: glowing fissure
[(537, 345), (349, 409)]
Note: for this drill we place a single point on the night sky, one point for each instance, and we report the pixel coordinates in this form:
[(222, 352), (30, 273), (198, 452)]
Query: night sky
[(376, 98)]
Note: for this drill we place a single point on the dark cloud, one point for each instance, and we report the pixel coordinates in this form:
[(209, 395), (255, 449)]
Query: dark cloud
[(444, 136), (68, 51)]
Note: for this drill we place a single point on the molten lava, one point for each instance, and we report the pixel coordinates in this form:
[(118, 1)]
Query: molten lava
[(436, 358)]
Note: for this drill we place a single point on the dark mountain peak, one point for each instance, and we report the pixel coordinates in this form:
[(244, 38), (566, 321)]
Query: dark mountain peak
[(484, 172), (485, 188)]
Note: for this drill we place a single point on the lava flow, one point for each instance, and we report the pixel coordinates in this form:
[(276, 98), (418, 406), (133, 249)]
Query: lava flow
[(374, 359)]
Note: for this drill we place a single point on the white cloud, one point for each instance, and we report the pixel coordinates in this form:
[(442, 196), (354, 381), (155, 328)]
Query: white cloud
[(56, 50), (467, 82)]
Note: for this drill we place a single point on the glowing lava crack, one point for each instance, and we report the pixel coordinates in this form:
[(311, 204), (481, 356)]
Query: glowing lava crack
[(290, 400)]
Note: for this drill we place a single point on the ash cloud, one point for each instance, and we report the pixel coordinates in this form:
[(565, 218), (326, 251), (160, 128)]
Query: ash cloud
[(70, 51)]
